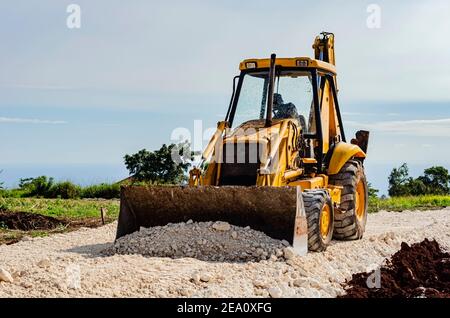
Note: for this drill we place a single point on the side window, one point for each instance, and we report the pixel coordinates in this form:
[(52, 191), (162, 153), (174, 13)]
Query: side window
[(251, 100)]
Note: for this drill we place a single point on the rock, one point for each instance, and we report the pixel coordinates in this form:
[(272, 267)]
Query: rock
[(314, 283), (302, 272), (44, 263), (221, 226), (288, 253), (290, 262), (285, 243), (259, 283), (259, 251), (185, 292), (259, 292), (18, 274), (205, 278), (275, 292), (26, 285), (5, 276), (234, 234), (286, 291), (300, 282), (195, 278), (189, 221), (273, 258)]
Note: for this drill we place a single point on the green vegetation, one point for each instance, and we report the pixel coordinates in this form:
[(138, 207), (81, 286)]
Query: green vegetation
[(373, 193), (408, 203), (45, 187), (435, 180), (103, 190), (61, 208), (168, 165)]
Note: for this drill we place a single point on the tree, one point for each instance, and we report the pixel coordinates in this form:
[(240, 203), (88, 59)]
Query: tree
[(373, 193), (436, 180), (168, 165), (416, 187), (399, 180), (39, 186)]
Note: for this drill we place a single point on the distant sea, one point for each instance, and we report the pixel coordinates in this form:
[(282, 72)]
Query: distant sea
[(82, 174), (87, 174)]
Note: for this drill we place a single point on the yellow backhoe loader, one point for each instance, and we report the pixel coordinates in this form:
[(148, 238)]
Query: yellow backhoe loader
[(282, 133)]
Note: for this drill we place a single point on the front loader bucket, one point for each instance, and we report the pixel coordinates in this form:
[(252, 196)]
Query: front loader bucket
[(275, 211)]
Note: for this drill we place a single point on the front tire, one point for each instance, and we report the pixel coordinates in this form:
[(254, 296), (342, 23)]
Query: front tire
[(319, 213), (351, 216)]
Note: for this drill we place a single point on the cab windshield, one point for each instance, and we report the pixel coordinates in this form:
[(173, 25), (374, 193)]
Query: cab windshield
[(293, 98)]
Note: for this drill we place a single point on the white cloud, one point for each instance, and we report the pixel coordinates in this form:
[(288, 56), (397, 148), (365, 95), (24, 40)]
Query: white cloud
[(357, 114), (10, 120), (417, 127)]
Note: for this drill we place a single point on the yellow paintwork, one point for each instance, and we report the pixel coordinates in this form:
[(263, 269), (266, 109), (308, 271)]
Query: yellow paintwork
[(325, 221), (290, 62), (309, 160), (360, 203), (341, 154), (335, 193), (319, 46), (221, 125), (311, 183)]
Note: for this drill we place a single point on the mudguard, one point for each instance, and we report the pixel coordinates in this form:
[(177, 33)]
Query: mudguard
[(343, 152)]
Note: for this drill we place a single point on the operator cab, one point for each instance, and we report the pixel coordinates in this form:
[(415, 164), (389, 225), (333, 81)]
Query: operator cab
[(270, 91)]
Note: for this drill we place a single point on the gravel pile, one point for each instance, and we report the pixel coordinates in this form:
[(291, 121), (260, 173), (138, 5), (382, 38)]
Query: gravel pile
[(206, 241)]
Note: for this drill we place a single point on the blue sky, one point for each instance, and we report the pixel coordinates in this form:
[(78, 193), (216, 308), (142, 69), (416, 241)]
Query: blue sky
[(134, 71)]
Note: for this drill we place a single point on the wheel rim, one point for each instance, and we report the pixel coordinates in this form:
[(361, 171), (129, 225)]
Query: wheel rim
[(360, 200), (325, 220)]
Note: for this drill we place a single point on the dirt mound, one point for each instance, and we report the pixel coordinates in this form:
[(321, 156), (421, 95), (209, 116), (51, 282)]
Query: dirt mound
[(25, 221), (205, 241), (419, 270)]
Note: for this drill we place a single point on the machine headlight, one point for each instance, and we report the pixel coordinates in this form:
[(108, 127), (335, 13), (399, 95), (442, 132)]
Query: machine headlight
[(250, 65)]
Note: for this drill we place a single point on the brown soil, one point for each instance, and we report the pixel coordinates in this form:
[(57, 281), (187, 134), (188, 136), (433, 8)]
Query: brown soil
[(419, 270), (16, 225), (25, 221)]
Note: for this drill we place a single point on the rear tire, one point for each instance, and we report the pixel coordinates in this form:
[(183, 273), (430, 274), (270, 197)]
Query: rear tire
[(351, 216), (320, 217)]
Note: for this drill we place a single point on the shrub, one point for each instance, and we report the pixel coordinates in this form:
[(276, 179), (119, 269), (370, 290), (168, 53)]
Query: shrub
[(373, 192), (36, 187), (13, 193), (103, 190), (65, 190)]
